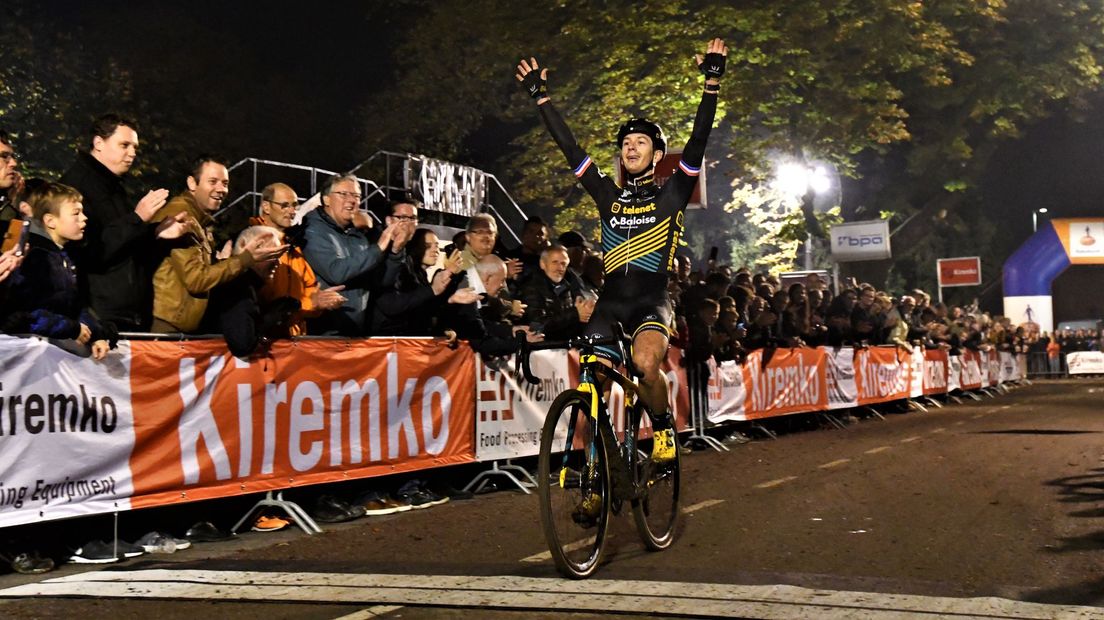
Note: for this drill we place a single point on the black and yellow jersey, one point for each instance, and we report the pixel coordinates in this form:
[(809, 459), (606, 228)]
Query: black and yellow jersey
[(641, 223)]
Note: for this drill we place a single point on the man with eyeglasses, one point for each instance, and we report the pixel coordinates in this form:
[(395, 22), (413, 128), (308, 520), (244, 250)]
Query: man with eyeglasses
[(11, 183), (292, 276), (10, 180), (480, 236), (342, 254)]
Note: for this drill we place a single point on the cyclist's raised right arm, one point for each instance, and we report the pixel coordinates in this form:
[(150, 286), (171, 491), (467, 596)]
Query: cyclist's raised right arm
[(533, 80)]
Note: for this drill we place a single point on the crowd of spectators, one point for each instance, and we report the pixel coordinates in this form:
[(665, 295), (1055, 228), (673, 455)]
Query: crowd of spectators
[(93, 262), (84, 261)]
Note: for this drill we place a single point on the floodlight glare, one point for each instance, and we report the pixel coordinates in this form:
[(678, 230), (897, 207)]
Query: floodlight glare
[(819, 180), (792, 179)]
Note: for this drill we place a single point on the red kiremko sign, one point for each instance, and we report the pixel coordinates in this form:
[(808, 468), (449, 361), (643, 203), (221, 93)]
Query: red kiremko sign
[(965, 271)]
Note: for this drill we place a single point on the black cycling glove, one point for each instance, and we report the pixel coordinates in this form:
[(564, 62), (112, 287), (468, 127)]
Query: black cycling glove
[(535, 85), (713, 66)]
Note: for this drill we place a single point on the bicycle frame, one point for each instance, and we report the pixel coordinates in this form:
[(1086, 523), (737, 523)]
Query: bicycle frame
[(592, 375)]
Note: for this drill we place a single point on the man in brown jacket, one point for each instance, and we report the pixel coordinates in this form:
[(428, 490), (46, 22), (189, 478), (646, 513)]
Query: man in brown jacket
[(184, 279)]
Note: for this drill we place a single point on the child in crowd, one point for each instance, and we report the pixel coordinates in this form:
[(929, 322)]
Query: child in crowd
[(43, 298)]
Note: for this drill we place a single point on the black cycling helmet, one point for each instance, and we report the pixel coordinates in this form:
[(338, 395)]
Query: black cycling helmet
[(646, 127)]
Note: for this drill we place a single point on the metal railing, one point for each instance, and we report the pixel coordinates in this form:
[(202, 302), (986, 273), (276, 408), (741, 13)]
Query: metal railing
[(389, 166), (264, 171)]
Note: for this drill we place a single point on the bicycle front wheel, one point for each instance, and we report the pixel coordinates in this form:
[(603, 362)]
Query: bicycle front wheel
[(574, 485), (656, 510)]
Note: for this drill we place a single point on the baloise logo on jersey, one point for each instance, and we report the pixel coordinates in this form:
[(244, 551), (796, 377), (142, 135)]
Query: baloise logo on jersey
[(631, 222)]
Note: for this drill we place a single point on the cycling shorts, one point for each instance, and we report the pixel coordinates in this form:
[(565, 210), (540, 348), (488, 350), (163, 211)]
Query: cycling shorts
[(638, 301)]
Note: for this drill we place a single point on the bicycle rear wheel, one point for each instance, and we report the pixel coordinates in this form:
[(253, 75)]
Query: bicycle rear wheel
[(574, 485), (656, 510)]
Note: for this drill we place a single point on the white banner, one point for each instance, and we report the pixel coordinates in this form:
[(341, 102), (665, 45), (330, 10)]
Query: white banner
[(916, 379), (954, 372), (842, 390), (726, 392), (1085, 362), (855, 241), (66, 432), (510, 411)]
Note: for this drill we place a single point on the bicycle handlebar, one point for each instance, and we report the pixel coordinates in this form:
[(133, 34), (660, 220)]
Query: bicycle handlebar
[(521, 360)]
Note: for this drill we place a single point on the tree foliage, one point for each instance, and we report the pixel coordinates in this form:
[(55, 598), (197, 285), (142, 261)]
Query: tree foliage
[(906, 98)]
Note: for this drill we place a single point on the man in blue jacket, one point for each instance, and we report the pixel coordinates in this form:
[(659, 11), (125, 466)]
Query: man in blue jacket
[(343, 254)]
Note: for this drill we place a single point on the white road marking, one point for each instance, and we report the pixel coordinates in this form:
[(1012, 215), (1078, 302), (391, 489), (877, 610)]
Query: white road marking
[(978, 416), (959, 423), (773, 483), (528, 593), (937, 430), (698, 506), (910, 439), (372, 612), (835, 463), (545, 556), (877, 450)]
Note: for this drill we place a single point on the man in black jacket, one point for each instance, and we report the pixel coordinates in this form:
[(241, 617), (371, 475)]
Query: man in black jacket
[(114, 268), (552, 308)]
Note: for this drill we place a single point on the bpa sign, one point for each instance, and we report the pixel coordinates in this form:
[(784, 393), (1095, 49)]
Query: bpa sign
[(855, 241)]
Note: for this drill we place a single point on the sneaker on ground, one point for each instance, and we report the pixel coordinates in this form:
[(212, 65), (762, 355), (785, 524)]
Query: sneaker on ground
[(128, 550), (376, 503), (159, 542), (31, 564), (95, 552), (418, 498), (329, 509), (205, 531), (269, 524), (736, 437), (663, 446)]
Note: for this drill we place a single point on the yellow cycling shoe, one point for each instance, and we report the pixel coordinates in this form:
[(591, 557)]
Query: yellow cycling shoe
[(586, 513), (663, 446)]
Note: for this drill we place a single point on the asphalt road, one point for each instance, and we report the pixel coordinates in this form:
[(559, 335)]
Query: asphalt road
[(917, 513)]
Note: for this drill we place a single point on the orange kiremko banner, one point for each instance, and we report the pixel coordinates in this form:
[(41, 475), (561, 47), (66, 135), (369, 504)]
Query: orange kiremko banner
[(208, 425), (783, 381), (882, 374), (164, 422)]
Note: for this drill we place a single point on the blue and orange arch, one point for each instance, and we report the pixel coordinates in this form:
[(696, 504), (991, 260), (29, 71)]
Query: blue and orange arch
[(1032, 268)]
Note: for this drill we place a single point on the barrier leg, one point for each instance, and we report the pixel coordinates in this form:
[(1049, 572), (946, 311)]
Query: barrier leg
[(874, 412), (914, 404), (697, 413), (972, 395), (762, 429), (293, 510), (832, 420), (933, 402), (483, 477)]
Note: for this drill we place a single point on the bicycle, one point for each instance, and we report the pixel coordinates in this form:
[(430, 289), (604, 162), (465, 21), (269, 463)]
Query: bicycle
[(585, 472)]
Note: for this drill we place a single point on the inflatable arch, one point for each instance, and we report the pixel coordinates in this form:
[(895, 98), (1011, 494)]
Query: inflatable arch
[(1031, 269)]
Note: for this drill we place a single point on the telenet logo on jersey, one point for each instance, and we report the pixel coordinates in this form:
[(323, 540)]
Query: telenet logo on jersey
[(618, 208)]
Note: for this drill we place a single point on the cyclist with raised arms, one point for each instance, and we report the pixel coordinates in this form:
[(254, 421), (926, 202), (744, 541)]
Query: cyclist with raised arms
[(641, 228)]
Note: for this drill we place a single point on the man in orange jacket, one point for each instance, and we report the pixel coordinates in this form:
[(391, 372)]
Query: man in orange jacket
[(292, 276)]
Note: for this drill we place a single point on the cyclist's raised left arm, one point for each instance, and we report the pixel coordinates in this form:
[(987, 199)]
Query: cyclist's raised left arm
[(712, 65)]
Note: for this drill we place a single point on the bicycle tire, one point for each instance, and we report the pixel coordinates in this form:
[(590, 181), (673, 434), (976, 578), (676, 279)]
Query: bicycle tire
[(575, 539), (656, 510)]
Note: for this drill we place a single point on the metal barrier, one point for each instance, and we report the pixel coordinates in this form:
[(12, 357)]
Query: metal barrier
[(1041, 366)]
